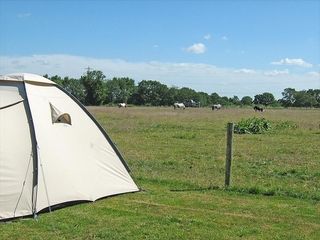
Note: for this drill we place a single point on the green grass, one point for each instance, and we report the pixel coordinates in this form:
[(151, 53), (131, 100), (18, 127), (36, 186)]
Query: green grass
[(178, 158)]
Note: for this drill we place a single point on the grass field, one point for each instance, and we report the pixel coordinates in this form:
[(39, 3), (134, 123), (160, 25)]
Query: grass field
[(177, 157)]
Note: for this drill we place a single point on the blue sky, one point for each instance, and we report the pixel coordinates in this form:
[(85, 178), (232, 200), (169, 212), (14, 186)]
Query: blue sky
[(230, 47)]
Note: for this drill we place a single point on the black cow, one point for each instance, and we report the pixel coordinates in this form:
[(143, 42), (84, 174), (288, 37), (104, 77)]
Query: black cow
[(258, 109)]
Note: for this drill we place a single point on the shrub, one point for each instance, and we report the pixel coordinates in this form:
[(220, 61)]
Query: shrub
[(252, 126), (261, 125)]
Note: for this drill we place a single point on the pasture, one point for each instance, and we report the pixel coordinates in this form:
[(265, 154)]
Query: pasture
[(178, 158)]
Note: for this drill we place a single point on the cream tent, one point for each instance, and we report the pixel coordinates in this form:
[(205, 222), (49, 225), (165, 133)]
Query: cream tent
[(52, 151)]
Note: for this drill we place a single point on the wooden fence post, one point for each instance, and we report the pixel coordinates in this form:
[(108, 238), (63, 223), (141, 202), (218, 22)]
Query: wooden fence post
[(228, 154)]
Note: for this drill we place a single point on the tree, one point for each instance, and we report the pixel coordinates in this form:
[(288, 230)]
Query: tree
[(224, 101), (235, 100), (215, 98), (316, 94), (288, 98), (151, 93), (265, 99), (93, 89), (304, 99), (170, 96), (94, 85), (74, 87), (204, 99), (120, 89), (57, 79), (186, 94), (246, 100)]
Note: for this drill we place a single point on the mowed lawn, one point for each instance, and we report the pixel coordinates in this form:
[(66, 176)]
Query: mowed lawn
[(178, 157)]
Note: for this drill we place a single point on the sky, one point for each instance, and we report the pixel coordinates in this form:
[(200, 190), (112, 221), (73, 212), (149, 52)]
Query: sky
[(230, 47)]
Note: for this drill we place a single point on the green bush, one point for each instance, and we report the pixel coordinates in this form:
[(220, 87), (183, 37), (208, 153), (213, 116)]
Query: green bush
[(261, 125), (252, 126)]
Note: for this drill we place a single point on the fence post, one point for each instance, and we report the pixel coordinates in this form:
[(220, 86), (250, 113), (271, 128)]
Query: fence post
[(228, 154)]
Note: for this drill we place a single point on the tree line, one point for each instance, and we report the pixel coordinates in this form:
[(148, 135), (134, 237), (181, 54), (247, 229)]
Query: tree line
[(93, 88)]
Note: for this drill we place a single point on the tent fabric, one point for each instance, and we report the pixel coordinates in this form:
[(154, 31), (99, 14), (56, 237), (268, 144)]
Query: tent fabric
[(74, 161), (16, 163), (25, 77)]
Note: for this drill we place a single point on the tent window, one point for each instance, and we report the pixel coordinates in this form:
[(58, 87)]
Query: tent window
[(58, 117)]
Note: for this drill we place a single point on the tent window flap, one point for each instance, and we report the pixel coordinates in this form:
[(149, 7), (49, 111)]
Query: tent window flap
[(58, 117)]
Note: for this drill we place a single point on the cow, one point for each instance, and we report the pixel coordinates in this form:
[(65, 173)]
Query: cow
[(216, 107), (121, 105), (258, 109), (179, 105)]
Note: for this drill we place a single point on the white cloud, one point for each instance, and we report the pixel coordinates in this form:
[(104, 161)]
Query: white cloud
[(224, 38), (276, 72), (199, 76), (207, 37), (315, 74), (293, 61), (197, 48), (245, 70), (24, 15)]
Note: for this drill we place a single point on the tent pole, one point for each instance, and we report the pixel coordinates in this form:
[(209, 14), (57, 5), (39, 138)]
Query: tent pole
[(34, 153)]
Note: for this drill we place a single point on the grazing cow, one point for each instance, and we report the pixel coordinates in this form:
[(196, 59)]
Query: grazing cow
[(121, 105), (258, 109), (179, 105), (216, 107)]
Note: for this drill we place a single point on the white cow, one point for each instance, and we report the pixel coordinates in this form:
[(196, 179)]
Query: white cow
[(120, 105), (179, 105), (216, 106)]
